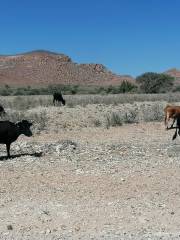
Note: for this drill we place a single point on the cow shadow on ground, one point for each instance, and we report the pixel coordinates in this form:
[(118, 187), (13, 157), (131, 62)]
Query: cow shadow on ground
[(36, 154)]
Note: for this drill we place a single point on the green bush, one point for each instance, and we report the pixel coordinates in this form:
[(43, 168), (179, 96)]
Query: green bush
[(127, 87), (151, 82)]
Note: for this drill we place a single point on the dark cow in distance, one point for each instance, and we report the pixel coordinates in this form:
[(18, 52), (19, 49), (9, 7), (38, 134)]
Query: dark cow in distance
[(57, 97), (9, 132), (2, 111)]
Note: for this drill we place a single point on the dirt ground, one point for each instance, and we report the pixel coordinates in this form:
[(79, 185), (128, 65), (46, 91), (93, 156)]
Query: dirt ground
[(92, 183)]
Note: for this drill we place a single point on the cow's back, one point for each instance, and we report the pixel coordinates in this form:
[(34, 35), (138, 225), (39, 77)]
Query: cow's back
[(8, 132), (57, 96), (171, 108)]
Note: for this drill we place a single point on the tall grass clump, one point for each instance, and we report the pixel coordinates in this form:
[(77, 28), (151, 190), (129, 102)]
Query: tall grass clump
[(152, 112), (97, 123), (114, 119), (131, 116)]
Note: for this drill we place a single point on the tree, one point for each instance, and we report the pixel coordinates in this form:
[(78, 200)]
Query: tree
[(151, 82), (127, 87)]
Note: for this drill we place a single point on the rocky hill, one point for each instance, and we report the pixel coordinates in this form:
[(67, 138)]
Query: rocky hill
[(44, 68)]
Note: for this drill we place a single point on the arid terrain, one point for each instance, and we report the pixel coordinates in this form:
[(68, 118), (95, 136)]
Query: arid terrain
[(79, 177), (41, 68)]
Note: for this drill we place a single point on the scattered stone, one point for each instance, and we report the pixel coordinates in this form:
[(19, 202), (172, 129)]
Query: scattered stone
[(63, 227), (48, 231), (9, 227)]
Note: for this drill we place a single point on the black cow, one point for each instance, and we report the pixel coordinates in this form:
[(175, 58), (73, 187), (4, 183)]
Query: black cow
[(2, 111), (9, 132), (57, 97)]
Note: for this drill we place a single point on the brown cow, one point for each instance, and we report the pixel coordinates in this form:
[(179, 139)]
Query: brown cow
[(171, 112)]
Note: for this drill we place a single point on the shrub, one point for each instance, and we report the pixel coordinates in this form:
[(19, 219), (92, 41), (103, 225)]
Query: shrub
[(131, 117), (97, 123), (127, 87), (151, 82), (114, 119), (176, 89)]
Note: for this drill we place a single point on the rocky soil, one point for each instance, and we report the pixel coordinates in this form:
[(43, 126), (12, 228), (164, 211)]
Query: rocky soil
[(92, 183)]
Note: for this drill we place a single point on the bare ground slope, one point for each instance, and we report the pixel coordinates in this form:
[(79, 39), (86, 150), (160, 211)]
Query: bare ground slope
[(92, 183)]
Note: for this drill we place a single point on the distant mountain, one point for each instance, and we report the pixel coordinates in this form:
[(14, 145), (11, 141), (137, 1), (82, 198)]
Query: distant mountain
[(44, 67)]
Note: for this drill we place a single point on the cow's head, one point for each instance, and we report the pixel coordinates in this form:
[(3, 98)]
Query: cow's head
[(24, 127)]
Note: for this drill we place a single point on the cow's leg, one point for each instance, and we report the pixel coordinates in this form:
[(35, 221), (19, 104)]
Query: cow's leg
[(175, 134), (174, 119), (8, 149), (179, 131), (54, 102), (166, 120), (177, 127)]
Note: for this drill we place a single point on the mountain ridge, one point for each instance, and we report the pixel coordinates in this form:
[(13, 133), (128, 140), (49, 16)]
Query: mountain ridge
[(42, 67)]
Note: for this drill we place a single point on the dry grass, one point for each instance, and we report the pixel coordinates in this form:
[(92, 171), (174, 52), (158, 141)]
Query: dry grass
[(86, 111), (27, 102)]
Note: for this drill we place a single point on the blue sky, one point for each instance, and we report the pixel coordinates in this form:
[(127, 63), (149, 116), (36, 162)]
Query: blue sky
[(127, 36)]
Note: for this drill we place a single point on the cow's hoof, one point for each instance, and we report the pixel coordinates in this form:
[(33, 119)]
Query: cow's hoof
[(174, 137)]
